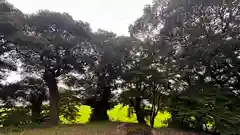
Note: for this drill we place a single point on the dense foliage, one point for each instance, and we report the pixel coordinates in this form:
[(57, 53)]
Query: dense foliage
[(182, 57)]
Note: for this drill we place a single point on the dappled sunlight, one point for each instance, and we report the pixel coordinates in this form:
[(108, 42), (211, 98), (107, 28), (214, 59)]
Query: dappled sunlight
[(85, 112), (160, 119), (82, 118), (118, 114)]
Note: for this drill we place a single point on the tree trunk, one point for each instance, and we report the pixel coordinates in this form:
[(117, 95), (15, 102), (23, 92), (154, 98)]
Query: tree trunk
[(139, 111), (152, 123), (99, 113), (153, 115), (36, 107), (50, 78), (36, 114), (173, 122), (174, 116), (153, 112), (36, 111), (140, 117), (101, 107), (54, 103)]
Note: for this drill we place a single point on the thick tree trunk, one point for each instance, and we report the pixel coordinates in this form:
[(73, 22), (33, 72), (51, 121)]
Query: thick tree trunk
[(101, 107), (99, 113), (139, 111), (36, 107), (50, 78), (54, 103), (36, 114), (140, 117)]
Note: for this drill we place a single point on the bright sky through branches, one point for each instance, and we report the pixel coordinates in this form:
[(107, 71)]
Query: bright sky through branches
[(112, 15)]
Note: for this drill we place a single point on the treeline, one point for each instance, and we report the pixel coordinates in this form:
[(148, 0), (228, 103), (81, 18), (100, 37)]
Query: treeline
[(183, 57)]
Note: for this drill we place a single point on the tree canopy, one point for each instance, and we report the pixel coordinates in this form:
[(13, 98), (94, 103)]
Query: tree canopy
[(182, 56)]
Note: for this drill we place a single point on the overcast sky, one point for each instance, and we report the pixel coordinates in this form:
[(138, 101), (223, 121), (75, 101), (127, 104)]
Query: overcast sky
[(112, 15)]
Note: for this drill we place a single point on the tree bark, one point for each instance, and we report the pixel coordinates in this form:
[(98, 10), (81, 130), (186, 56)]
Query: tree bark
[(36, 102), (174, 116), (36, 110), (101, 104), (99, 113), (101, 107), (153, 115), (54, 104), (50, 79), (36, 114), (139, 111)]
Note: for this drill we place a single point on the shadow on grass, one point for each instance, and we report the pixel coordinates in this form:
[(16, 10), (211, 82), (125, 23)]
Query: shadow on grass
[(7, 130)]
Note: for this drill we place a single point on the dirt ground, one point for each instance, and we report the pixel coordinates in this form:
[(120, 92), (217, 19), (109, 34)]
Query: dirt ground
[(97, 129)]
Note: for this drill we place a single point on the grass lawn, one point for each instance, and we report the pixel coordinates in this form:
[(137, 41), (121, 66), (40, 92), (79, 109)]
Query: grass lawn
[(118, 113)]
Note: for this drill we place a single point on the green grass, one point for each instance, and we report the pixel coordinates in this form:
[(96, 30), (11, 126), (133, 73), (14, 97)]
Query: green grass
[(81, 126), (118, 114), (83, 115)]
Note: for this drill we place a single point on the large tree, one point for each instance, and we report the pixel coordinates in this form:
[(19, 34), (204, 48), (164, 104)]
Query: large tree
[(205, 37), (108, 62), (52, 45)]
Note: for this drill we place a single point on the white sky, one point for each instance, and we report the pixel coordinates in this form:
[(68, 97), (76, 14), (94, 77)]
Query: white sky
[(112, 15)]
